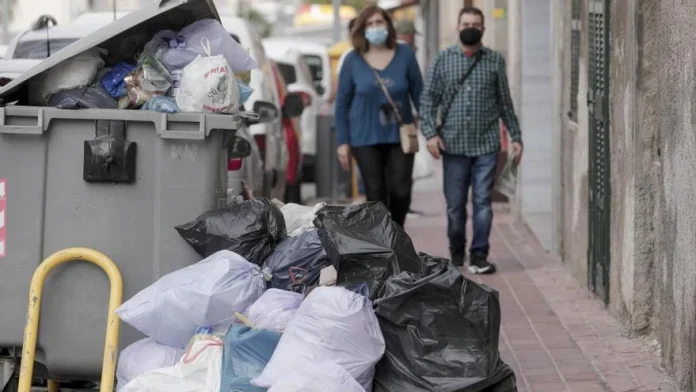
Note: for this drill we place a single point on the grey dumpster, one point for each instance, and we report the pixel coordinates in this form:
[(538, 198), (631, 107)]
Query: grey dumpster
[(114, 181), (333, 183)]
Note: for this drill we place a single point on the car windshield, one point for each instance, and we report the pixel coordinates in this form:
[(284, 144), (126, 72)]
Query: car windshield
[(288, 72), (39, 49), (316, 68)]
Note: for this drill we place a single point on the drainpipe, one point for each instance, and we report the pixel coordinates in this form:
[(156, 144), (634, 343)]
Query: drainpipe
[(514, 65)]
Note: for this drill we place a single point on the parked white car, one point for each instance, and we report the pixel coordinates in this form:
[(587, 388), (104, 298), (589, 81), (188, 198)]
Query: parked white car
[(316, 55), (11, 68), (102, 17), (42, 43), (298, 77), (269, 136)]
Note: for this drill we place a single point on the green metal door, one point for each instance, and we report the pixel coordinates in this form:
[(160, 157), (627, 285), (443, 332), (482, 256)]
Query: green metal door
[(599, 162)]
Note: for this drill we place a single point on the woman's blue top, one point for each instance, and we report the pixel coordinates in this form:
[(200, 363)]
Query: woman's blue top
[(363, 114)]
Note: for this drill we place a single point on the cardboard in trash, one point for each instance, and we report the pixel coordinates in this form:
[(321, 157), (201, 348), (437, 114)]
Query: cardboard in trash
[(328, 276)]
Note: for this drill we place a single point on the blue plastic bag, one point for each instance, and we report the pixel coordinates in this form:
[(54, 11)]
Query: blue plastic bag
[(244, 356), (161, 104), (244, 91), (113, 80)]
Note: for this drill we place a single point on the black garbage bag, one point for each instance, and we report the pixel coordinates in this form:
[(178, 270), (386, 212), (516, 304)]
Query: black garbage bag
[(251, 229), (441, 332), (366, 245), (94, 97), (297, 262)]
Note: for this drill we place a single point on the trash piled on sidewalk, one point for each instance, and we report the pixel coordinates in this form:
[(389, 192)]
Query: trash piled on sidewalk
[(346, 305), (193, 70), (366, 244)]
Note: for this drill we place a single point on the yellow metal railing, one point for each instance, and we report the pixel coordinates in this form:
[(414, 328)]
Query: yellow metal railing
[(31, 329)]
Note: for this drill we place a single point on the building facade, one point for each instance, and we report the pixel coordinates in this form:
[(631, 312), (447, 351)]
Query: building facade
[(625, 123)]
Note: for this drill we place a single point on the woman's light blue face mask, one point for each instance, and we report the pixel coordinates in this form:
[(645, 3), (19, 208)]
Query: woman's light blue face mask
[(376, 35)]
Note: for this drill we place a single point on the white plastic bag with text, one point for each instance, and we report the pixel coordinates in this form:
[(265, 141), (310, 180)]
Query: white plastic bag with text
[(208, 85)]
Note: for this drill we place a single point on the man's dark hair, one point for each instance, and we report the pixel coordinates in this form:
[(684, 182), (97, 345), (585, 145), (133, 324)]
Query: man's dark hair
[(471, 11)]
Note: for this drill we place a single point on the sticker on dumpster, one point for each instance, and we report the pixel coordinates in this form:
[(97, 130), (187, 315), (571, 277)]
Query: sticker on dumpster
[(3, 204)]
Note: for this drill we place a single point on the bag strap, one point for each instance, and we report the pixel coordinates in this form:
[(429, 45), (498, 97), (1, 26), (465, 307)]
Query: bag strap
[(463, 79), (389, 98)]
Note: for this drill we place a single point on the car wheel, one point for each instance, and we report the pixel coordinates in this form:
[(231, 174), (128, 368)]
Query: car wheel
[(293, 193)]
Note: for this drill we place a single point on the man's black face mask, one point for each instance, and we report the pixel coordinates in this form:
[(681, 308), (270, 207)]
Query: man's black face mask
[(470, 36)]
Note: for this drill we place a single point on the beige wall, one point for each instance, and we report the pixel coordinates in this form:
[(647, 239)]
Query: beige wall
[(653, 155), (449, 9)]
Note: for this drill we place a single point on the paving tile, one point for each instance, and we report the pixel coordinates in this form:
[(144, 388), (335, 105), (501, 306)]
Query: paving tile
[(542, 375), (585, 386), (548, 387)]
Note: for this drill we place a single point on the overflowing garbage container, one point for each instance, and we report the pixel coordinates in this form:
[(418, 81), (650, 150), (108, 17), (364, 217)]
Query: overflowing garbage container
[(119, 143), (109, 144)]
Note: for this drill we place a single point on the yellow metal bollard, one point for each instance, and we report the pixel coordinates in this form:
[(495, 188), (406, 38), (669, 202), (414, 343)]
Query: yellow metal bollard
[(53, 386), (32, 327)]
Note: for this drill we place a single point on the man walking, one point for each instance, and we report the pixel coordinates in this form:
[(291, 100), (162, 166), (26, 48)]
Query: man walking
[(467, 85)]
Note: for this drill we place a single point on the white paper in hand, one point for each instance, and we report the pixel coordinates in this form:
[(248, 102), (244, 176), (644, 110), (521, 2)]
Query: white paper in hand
[(506, 184)]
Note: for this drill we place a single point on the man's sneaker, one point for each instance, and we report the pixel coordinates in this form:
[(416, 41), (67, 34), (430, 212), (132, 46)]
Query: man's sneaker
[(479, 265), (458, 259)]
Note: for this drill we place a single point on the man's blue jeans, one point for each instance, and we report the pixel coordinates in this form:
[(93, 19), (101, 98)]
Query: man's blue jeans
[(461, 173)]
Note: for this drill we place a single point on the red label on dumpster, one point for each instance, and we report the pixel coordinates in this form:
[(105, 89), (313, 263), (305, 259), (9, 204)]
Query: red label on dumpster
[(3, 208)]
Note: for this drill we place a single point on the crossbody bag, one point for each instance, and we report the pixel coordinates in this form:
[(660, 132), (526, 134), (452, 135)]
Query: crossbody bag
[(443, 114), (408, 134)]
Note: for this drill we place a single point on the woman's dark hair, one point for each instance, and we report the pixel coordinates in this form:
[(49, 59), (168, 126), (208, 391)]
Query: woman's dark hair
[(360, 44)]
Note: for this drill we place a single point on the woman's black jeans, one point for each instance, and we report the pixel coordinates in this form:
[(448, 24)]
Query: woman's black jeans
[(388, 177)]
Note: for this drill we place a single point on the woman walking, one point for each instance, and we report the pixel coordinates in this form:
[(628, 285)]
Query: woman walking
[(378, 81)]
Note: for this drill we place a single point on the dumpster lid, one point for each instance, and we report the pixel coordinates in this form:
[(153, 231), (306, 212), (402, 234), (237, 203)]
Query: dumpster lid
[(124, 38)]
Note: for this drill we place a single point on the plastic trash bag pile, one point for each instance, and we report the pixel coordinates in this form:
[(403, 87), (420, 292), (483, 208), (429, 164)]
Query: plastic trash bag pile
[(192, 70), (344, 304)]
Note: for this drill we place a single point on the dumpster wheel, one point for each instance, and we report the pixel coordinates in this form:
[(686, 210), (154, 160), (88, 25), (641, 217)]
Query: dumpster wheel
[(31, 330)]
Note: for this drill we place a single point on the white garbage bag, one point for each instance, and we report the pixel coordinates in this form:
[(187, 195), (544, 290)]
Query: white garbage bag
[(323, 377), (142, 357), (197, 371), (208, 85), (76, 72), (332, 324), (422, 162), (274, 309), (207, 293), (299, 219), (176, 50)]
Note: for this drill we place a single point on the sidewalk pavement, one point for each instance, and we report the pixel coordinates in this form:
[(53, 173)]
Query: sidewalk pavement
[(555, 335)]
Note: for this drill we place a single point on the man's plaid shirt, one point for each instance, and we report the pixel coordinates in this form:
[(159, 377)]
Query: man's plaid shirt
[(472, 126)]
